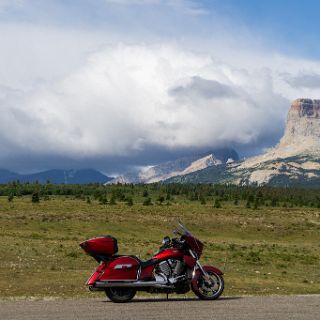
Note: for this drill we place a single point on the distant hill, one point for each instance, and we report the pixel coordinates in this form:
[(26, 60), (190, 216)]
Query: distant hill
[(7, 176), (56, 176)]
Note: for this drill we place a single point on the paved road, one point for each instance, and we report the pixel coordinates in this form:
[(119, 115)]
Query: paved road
[(226, 308)]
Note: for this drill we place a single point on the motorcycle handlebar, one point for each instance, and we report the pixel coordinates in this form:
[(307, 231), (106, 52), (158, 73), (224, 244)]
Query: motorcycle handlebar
[(174, 242)]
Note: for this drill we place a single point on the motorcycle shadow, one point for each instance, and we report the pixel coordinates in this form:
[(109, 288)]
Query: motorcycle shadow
[(143, 300)]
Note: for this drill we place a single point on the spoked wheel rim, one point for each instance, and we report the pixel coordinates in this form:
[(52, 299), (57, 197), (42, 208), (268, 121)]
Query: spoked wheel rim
[(210, 287)]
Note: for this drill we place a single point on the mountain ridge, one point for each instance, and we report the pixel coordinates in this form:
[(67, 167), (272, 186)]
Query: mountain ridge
[(180, 166), (81, 176)]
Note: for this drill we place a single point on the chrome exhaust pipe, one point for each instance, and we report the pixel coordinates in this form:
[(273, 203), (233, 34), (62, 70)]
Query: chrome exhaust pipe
[(140, 284), (93, 288)]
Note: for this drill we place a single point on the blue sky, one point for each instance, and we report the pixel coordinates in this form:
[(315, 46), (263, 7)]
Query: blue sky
[(289, 25), (282, 23), (111, 84)]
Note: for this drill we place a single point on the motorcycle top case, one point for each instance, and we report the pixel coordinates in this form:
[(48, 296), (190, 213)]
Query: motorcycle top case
[(100, 246)]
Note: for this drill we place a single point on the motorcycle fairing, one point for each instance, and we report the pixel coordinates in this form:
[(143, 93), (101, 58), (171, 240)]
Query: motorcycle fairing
[(190, 261)]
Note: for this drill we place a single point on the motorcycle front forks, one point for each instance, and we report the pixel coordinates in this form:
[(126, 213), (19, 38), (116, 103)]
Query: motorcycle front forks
[(198, 264)]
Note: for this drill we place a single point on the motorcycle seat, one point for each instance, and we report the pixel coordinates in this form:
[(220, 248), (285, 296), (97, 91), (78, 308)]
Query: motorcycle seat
[(148, 263)]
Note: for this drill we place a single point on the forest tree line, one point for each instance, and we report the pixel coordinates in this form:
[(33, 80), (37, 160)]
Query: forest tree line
[(159, 193)]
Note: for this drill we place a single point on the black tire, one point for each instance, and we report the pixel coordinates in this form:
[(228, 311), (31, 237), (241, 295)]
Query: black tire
[(209, 291), (120, 295)]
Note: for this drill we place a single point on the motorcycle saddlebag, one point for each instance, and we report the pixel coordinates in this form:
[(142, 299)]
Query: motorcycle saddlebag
[(100, 246), (123, 268)]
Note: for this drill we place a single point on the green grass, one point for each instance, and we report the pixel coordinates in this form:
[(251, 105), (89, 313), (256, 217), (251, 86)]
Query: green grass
[(264, 251)]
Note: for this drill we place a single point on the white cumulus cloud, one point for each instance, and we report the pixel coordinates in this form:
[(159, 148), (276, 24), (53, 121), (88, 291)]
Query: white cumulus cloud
[(125, 98)]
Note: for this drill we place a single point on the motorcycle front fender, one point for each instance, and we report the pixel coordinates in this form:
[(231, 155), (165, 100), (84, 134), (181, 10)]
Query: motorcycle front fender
[(212, 269), (198, 274)]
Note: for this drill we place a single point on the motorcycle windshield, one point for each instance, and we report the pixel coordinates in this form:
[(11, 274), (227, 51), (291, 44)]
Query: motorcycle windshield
[(194, 243), (184, 229)]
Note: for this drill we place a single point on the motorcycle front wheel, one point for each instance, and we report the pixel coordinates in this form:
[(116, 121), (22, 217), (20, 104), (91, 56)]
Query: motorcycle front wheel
[(209, 289), (120, 295)]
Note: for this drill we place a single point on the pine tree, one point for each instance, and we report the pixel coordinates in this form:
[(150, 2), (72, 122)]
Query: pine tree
[(217, 203), (145, 193), (35, 197), (202, 200), (113, 200), (129, 202), (10, 197), (103, 199), (161, 199), (147, 202)]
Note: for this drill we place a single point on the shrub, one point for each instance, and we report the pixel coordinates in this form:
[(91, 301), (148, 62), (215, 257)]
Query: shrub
[(145, 193), (129, 202), (217, 203), (103, 199), (202, 200), (113, 200), (147, 202), (35, 197), (161, 199)]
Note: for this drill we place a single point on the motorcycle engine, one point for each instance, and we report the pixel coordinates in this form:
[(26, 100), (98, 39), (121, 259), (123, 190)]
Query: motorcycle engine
[(170, 268)]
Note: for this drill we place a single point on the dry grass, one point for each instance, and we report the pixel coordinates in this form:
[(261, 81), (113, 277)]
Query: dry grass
[(263, 251)]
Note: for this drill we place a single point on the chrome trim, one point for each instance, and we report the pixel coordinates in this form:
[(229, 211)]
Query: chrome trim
[(139, 272), (193, 254), (202, 270), (110, 284), (92, 288), (120, 280), (123, 266)]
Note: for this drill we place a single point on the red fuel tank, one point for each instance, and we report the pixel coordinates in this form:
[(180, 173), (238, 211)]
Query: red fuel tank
[(170, 253), (122, 268)]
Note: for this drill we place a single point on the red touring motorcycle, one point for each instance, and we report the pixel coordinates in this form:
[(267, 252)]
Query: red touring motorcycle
[(174, 269)]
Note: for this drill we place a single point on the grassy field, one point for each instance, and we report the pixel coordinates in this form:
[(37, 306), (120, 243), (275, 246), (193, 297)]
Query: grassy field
[(264, 251)]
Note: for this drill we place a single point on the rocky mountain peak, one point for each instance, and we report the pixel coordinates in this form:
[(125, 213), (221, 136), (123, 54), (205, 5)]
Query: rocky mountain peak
[(294, 161), (303, 126), (307, 108)]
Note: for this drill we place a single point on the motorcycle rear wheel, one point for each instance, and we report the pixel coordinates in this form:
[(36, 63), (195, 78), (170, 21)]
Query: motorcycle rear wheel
[(209, 291), (120, 295)]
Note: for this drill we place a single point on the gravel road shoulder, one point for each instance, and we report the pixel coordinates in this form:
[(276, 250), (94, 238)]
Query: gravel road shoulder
[(240, 308)]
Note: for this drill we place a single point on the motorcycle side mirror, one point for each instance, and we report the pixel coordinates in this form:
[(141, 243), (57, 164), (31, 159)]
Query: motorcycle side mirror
[(166, 240), (175, 231)]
